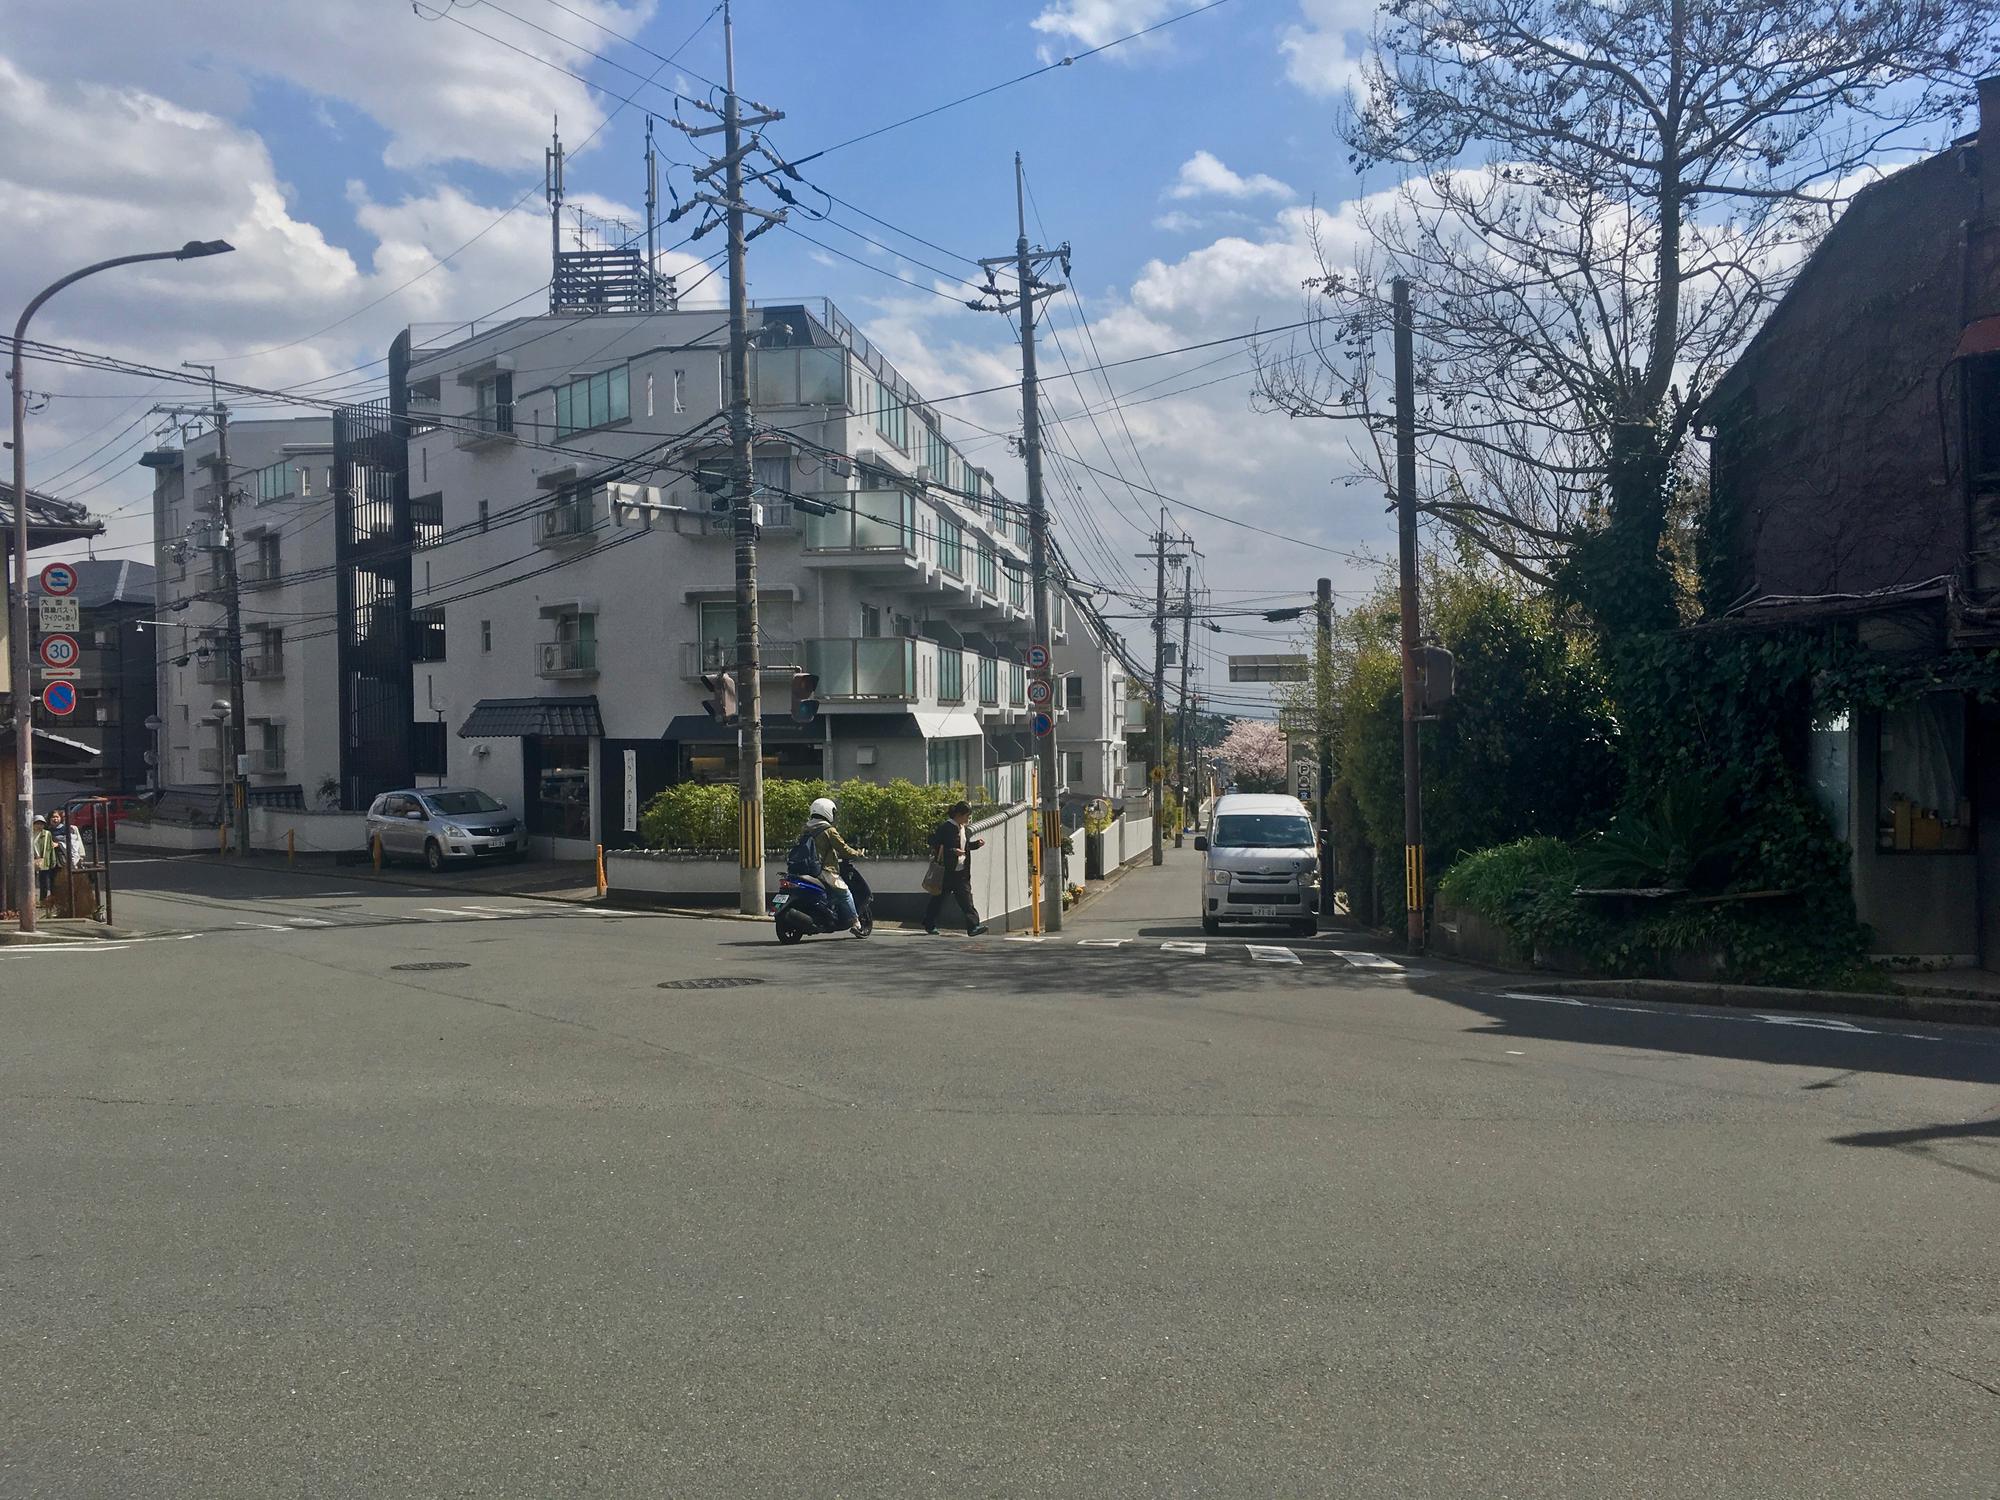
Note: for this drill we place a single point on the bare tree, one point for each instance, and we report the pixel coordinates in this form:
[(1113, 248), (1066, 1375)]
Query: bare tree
[(1599, 201)]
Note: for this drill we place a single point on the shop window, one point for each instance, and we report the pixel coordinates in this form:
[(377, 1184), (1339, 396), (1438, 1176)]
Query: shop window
[(1923, 804)]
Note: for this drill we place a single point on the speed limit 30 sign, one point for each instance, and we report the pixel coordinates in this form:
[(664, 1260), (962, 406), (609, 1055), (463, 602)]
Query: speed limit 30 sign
[(59, 650)]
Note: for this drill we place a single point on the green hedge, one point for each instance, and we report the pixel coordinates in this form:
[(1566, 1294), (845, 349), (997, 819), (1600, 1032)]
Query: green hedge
[(888, 821)]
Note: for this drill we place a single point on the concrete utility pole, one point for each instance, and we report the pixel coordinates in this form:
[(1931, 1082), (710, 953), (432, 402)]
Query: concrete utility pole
[(1026, 262), (236, 774), (1181, 729), (1406, 548), (1323, 712), (22, 859), (742, 472), (1161, 540)]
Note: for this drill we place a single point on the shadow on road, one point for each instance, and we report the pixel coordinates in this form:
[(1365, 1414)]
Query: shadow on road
[(1952, 1054)]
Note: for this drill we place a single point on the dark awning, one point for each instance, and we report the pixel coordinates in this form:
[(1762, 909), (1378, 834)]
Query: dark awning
[(513, 718), (700, 729)]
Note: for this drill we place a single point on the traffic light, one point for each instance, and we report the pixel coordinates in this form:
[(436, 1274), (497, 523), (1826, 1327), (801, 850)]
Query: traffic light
[(805, 707), (722, 706)]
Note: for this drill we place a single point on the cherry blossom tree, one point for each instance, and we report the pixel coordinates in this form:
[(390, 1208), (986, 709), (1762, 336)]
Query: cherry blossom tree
[(1255, 752)]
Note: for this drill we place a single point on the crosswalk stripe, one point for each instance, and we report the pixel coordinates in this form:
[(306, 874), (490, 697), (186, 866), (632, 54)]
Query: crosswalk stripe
[(266, 926), (1271, 954), (1196, 950), (453, 911), (309, 922), (1366, 960), (1102, 942), (504, 911)]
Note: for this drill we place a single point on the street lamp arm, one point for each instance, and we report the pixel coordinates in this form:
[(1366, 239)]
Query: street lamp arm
[(192, 250)]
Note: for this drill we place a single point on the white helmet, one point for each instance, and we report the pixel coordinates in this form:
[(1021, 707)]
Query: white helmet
[(822, 808)]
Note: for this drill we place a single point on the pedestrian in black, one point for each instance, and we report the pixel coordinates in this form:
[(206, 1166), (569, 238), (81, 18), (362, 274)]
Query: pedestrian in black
[(951, 852)]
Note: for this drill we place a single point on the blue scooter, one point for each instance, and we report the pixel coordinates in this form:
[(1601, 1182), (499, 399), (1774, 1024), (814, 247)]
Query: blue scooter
[(803, 905)]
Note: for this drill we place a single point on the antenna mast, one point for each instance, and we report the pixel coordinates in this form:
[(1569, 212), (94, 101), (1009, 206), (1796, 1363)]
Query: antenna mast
[(552, 189)]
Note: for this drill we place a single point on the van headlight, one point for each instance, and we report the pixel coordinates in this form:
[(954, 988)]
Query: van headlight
[(1219, 877), (1309, 876)]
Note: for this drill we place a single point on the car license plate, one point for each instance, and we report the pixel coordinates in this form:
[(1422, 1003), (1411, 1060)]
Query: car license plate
[(1264, 911)]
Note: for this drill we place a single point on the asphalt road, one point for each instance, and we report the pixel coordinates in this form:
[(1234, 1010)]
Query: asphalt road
[(285, 1215)]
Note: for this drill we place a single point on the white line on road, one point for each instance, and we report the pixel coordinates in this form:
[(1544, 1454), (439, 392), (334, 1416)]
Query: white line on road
[(1102, 942), (505, 911), (1265, 954), (37, 951), (309, 921), (461, 913), (1197, 950), (1025, 938), (1366, 960), (266, 926)]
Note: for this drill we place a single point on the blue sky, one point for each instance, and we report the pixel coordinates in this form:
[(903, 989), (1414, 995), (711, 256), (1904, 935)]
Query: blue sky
[(345, 145)]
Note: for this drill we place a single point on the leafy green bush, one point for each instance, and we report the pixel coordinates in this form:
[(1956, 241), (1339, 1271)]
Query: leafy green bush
[(1492, 881), (892, 821), (1685, 838)]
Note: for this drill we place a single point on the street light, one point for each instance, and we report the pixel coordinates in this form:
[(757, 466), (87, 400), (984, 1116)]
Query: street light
[(24, 746)]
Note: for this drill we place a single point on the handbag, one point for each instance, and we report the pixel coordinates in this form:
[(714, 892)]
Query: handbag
[(933, 879)]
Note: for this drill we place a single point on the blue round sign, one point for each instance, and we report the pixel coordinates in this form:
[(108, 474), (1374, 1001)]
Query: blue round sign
[(1041, 724), (59, 698)]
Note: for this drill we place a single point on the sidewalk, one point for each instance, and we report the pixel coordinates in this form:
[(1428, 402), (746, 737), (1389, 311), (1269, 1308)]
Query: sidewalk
[(571, 880)]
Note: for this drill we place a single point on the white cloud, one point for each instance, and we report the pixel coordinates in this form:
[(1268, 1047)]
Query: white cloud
[(1175, 221), (1326, 54), (1092, 23), (440, 92), (1204, 175)]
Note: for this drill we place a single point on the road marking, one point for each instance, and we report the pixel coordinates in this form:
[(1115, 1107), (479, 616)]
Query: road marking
[(1265, 954), (1197, 950), (460, 913), (1102, 942), (39, 951), (266, 926), (1815, 1024), (505, 911), (1366, 960), (309, 922), (1025, 938)]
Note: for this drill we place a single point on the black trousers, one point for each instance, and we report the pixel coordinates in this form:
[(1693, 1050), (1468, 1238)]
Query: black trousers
[(958, 885)]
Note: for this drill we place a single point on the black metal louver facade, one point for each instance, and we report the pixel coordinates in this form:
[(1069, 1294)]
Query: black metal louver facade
[(374, 537)]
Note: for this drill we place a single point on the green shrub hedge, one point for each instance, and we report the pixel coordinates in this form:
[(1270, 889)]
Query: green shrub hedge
[(891, 821)]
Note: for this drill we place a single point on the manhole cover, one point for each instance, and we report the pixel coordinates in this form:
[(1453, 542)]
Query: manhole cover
[(723, 982), (425, 968)]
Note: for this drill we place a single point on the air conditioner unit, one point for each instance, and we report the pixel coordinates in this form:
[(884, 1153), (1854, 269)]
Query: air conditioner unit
[(869, 457), (923, 473)]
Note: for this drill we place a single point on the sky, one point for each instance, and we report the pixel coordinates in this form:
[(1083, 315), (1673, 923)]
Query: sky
[(346, 147)]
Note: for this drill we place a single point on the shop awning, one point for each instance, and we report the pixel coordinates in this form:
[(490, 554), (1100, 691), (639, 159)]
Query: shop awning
[(700, 729), (515, 718)]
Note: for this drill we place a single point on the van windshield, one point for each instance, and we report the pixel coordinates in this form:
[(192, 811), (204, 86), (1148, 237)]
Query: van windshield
[(1263, 831)]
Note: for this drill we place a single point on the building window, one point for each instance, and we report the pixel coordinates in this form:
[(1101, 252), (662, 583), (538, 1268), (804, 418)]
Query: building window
[(649, 393), (594, 401), (485, 635), (946, 760), (1072, 692), (427, 631), (1072, 768), (482, 515), (989, 681), (951, 675), (989, 571), (493, 403), (272, 482), (427, 517), (427, 747), (951, 545), (680, 391), (871, 621), (1922, 801)]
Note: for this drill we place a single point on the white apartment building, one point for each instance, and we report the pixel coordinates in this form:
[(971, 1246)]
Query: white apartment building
[(282, 475), (573, 641)]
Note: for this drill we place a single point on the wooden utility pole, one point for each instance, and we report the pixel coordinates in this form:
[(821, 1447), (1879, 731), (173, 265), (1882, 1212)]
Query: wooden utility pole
[(236, 774), (1181, 728), (1161, 540), (1406, 549), (1027, 262)]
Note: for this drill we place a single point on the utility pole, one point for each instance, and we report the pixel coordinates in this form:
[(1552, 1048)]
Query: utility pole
[(1161, 540), (1406, 549), (742, 474), (1181, 729), (1323, 713), (1026, 262), (236, 776)]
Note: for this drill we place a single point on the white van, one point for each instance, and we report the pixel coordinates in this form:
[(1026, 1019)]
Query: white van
[(1260, 863)]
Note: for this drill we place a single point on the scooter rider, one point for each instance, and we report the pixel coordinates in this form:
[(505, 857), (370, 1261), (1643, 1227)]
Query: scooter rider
[(831, 848)]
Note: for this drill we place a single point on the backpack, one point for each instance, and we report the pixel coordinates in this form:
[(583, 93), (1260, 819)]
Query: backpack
[(803, 860)]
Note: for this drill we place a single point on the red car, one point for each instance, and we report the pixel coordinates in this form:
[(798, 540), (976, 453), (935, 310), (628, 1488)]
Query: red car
[(114, 810)]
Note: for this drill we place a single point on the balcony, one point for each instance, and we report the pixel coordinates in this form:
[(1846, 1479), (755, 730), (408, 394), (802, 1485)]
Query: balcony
[(876, 670), (258, 571), (268, 761), (558, 661), (771, 516), (699, 658), (212, 669), (564, 524), (263, 665), (872, 529), (486, 424)]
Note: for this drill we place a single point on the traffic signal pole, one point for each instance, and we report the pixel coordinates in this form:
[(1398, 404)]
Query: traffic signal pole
[(1406, 552)]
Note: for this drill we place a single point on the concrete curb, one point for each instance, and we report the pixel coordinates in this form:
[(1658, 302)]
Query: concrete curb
[(364, 871), (1952, 1010), (45, 935)]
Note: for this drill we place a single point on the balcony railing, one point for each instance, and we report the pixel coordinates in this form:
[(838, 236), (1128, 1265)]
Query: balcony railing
[(698, 658), (568, 522), (269, 761), (214, 668), (558, 659), (869, 521), (486, 424), (263, 664), (771, 515), (869, 670)]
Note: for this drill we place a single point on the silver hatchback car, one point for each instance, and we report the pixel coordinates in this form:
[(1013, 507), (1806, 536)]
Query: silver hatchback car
[(444, 825)]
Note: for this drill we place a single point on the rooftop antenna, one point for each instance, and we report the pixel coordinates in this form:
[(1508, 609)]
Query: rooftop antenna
[(552, 189)]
